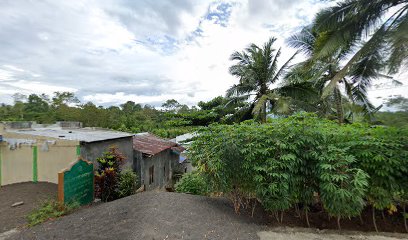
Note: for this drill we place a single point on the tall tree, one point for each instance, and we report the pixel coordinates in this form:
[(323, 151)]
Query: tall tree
[(171, 105), (321, 70), (257, 70), (365, 29), (37, 108), (63, 98)]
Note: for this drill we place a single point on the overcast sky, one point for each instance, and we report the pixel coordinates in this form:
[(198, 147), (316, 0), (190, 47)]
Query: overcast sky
[(112, 51)]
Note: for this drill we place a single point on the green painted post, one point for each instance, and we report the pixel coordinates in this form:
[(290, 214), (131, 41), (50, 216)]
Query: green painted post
[(35, 167), (78, 150)]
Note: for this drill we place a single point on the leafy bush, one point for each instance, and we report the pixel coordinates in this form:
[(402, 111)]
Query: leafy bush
[(295, 161), (342, 188), (50, 209), (127, 183), (192, 183), (107, 175)]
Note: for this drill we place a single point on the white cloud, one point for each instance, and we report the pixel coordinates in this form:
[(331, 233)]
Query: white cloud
[(111, 51), (385, 88)]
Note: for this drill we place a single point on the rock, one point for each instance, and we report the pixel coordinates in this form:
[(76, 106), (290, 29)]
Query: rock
[(17, 204)]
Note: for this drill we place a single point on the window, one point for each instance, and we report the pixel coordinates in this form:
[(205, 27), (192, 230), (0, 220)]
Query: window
[(151, 174)]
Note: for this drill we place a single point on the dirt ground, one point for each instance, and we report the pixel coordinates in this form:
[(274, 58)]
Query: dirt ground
[(164, 215), (32, 194), (151, 215)]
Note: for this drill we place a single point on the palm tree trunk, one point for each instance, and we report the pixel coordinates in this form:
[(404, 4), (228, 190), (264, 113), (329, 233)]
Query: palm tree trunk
[(339, 105), (264, 112), (404, 215)]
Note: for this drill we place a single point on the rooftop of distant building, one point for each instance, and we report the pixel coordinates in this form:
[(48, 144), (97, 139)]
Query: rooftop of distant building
[(63, 130)]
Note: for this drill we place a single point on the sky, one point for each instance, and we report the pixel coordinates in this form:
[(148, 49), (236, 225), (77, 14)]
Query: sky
[(113, 51)]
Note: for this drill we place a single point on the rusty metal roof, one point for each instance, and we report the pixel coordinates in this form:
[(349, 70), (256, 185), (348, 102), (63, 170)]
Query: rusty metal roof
[(150, 144), (179, 149)]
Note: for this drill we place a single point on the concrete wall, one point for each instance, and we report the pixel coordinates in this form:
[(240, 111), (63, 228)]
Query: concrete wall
[(57, 158), (164, 164), (24, 164), (16, 165), (137, 167), (92, 151)]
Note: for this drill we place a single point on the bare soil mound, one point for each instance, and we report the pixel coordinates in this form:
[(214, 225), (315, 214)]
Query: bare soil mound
[(151, 215), (165, 215)]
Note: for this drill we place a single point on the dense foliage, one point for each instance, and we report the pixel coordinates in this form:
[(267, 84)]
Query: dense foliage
[(372, 33), (302, 159), (192, 183), (111, 182), (173, 120), (257, 70), (127, 183)]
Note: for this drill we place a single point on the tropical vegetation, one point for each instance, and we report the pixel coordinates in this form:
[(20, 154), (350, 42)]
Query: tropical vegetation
[(290, 133), (172, 120), (302, 160), (111, 180), (257, 70)]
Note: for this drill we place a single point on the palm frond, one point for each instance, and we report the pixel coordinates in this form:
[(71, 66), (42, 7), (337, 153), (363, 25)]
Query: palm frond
[(237, 100), (238, 90), (398, 38), (273, 66), (303, 41), (304, 91), (371, 47), (283, 68), (353, 19), (361, 98), (377, 40)]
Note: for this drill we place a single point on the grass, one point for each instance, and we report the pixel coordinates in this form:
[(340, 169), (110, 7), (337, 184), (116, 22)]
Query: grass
[(50, 209)]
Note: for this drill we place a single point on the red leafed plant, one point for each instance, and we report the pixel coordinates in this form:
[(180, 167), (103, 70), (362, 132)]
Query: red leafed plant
[(107, 174)]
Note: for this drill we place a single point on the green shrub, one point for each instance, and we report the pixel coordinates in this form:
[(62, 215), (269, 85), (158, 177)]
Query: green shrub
[(127, 183), (49, 210), (342, 188), (192, 183), (295, 161), (107, 174)]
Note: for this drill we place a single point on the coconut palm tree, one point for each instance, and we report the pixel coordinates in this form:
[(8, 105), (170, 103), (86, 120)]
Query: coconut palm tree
[(321, 70), (257, 70), (367, 31)]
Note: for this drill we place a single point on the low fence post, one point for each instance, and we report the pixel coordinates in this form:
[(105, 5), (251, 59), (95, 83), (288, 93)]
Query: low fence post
[(35, 166)]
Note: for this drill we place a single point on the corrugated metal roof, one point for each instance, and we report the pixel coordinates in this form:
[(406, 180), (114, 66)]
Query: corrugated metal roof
[(151, 145), (78, 134), (178, 149)]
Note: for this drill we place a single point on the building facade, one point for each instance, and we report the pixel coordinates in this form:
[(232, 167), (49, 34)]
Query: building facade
[(156, 161), (37, 152)]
